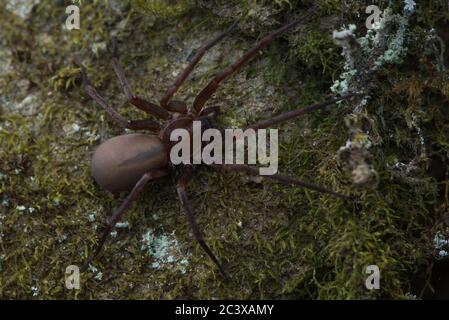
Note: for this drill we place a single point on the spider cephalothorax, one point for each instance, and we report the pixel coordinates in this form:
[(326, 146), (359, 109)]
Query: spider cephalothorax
[(129, 162)]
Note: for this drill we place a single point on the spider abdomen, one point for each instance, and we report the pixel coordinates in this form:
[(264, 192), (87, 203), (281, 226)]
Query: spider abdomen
[(118, 163)]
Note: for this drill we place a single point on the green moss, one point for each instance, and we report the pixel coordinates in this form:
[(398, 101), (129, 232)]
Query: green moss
[(163, 8), (317, 51)]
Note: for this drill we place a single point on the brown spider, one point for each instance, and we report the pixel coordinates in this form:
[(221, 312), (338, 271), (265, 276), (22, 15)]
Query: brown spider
[(130, 161)]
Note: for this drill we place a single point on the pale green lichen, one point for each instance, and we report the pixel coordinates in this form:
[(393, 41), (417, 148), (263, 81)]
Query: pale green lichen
[(164, 251), (21, 8), (396, 48)]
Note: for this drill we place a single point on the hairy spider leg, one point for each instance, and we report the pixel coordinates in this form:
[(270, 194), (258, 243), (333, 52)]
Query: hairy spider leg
[(138, 102), (213, 85), (213, 111), (254, 171), (288, 180), (124, 207), (147, 124), (182, 195), (283, 117), (165, 101)]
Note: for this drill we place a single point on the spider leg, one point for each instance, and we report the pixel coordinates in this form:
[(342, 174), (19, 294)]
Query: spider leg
[(124, 207), (180, 188), (193, 62), (288, 180), (147, 124), (138, 102), (214, 111), (213, 85), (298, 112)]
